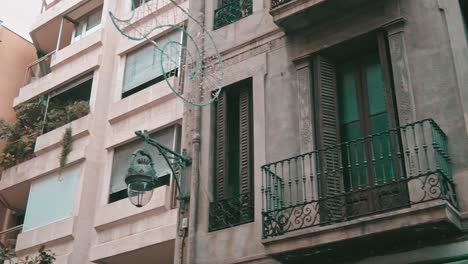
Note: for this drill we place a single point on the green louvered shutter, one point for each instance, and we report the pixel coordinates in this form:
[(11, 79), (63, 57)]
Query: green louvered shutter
[(221, 146), (245, 155), (244, 141), (327, 131)]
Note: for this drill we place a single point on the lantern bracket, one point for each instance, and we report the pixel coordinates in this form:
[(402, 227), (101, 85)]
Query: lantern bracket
[(176, 162)]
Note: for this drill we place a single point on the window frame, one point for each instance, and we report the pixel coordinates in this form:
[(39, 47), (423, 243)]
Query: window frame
[(83, 22)]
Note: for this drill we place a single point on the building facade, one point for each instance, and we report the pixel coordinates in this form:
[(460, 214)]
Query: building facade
[(15, 53), (323, 146), (339, 134)]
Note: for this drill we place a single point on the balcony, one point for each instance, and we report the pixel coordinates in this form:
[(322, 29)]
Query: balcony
[(362, 183), (9, 236), (39, 68), (292, 15), (63, 23), (232, 11)]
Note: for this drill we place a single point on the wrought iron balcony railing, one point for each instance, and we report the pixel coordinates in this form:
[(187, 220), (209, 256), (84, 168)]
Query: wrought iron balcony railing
[(397, 168), (231, 11), (276, 3), (39, 68), (231, 212), (8, 237)]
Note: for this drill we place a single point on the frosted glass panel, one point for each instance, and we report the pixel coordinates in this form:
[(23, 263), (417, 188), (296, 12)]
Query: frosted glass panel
[(51, 198), (144, 64)]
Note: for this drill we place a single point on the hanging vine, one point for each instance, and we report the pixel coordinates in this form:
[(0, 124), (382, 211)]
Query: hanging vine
[(67, 141)]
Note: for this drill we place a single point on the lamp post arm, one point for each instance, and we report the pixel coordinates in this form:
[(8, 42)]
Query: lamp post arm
[(187, 161)]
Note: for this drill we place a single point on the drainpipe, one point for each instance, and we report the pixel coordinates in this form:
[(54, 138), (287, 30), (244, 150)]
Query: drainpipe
[(198, 9)]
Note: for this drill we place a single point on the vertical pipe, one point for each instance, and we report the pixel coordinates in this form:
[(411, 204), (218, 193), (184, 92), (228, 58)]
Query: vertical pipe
[(197, 7)]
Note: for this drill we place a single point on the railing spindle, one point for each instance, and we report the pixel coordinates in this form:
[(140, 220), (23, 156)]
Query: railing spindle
[(350, 170), (303, 180), (311, 176), (425, 146), (416, 148), (296, 179), (290, 183)]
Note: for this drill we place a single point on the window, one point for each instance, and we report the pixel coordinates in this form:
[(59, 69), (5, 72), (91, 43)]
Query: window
[(169, 137), (138, 3), (144, 67), (87, 24), (354, 99), (68, 103), (57, 192), (230, 11), (233, 159)]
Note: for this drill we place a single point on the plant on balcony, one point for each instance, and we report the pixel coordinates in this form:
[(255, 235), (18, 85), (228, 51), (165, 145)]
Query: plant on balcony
[(20, 137), (44, 257), (62, 113)]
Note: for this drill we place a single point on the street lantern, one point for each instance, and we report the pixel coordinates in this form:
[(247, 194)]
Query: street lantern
[(141, 178)]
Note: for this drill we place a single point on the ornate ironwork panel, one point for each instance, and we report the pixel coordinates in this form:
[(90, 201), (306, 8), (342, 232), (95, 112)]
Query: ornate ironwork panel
[(231, 11), (231, 212)]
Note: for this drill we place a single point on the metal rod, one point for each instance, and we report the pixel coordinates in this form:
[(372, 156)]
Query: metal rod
[(59, 35)]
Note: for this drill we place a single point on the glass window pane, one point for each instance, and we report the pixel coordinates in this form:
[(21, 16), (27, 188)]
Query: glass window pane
[(375, 84), (144, 64), (347, 97), (94, 19), (79, 29)]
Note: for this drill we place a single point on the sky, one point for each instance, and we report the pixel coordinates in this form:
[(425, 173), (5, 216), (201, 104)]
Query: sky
[(19, 15)]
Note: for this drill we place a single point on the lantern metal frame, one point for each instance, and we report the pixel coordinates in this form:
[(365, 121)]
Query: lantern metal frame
[(176, 162)]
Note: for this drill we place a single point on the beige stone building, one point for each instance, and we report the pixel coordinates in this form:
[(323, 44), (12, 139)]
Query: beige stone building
[(16, 53), (339, 135)]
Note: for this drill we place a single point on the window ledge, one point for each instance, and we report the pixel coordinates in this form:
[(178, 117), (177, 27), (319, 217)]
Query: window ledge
[(52, 139), (116, 213), (60, 232), (141, 101)]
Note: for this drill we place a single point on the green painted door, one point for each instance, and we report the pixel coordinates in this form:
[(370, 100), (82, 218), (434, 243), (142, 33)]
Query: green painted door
[(362, 112)]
